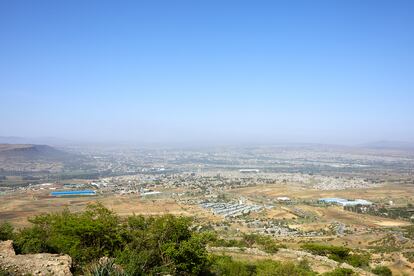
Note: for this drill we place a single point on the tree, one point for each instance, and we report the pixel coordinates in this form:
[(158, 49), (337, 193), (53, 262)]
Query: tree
[(84, 236), (163, 245)]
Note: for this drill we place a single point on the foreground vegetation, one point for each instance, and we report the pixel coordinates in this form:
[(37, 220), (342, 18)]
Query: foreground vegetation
[(339, 253), (101, 243)]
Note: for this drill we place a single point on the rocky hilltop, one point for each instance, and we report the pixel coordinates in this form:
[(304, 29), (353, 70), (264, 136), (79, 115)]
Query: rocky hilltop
[(33, 264)]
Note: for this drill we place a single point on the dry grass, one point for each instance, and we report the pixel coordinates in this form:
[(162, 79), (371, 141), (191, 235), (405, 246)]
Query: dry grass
[(297, 191), (17, 208)]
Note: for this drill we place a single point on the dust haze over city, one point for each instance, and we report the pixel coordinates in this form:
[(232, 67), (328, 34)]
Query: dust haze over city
[(207, 137)]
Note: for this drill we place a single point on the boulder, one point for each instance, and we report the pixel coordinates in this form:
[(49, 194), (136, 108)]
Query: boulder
[(33, 264)]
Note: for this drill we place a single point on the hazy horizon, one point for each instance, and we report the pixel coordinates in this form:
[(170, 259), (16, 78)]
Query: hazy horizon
[(229, 72)]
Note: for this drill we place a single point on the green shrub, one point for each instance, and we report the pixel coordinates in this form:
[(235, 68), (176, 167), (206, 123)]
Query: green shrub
[(84, 236), (163, 245), (269, 267), (189, 256), (358, 260), (225, 265), (336, 252), (6, 231), (340, 272), (382, 271), (339, 254), (32, 240), (264, 243)]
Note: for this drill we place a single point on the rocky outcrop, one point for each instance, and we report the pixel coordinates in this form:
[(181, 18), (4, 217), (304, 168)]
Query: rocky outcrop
[(33, 264)]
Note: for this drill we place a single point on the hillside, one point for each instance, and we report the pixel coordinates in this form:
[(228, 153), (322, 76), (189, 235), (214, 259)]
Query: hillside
[(35, 158), (27, 152), (99, 242)]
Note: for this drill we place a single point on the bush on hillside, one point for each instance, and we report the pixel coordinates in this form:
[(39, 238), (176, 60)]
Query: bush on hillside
[(163, 245), (84, 236), (339, 254), (340, 272), (225, 265), (382, 271), (6, 231), (264, 243)]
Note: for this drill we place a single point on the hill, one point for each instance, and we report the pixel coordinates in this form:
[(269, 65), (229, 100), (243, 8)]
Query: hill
[(33, 140), (30, 153), (19, 159)]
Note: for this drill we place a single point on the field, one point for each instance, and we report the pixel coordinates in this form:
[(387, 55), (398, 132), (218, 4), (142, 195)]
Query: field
[(18, 207), (398, 193)]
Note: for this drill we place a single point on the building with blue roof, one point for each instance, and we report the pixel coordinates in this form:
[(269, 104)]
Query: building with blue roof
[(73, 193), (344, 202)]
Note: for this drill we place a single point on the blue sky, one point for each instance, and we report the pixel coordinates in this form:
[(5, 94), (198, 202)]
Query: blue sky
[(208, 71)]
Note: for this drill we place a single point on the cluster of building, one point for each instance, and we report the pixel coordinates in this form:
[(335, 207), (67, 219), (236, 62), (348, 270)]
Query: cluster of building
[(272, 228), (230, 209), (345, 202)]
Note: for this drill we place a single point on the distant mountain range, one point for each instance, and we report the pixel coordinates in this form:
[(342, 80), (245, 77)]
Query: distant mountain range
[(389, 145), (53, 141)]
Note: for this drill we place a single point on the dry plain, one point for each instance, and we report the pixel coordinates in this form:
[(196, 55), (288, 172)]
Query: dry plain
[(364, 229)]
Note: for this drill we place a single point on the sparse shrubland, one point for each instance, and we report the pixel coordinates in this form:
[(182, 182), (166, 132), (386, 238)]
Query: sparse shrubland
[(102, 243), (225, 265), (264, 243), (339, 254)]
